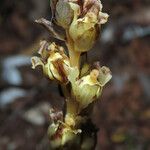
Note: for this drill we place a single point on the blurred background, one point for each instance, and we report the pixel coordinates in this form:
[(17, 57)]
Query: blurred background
[(123, 111)]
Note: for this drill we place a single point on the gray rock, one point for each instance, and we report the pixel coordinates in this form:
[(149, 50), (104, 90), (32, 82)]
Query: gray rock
[(9, 95), (36, 115), (10, 66)]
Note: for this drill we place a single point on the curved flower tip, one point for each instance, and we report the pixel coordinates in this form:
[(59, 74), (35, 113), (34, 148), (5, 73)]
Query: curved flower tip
[(36, 61), (53, 60), (103, 18), (104, 75)]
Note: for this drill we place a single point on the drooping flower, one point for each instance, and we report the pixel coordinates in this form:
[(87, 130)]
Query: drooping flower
[(85, 27), (53, 60)]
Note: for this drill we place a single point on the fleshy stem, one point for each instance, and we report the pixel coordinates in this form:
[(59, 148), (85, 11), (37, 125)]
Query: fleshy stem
[(73, 55), (74, 58), (71, 104)]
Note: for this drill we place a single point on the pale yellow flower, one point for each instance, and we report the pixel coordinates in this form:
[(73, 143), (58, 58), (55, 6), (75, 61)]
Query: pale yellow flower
[(88, 88), (53, 60)]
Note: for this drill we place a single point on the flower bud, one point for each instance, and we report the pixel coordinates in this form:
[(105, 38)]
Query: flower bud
[(53, 60)]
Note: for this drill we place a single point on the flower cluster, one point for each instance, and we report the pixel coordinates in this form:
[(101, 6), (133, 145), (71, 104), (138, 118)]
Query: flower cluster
[(81, 19), (80, 22)]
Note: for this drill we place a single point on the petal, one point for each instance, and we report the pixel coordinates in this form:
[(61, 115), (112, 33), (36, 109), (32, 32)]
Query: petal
[(86, 94), (73, 74), (103, 17), (104, 75), (59, 71), (43, 51), (36, 61)]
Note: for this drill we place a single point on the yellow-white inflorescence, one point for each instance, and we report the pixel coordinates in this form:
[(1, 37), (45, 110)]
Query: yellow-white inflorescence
[(81, 21)]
